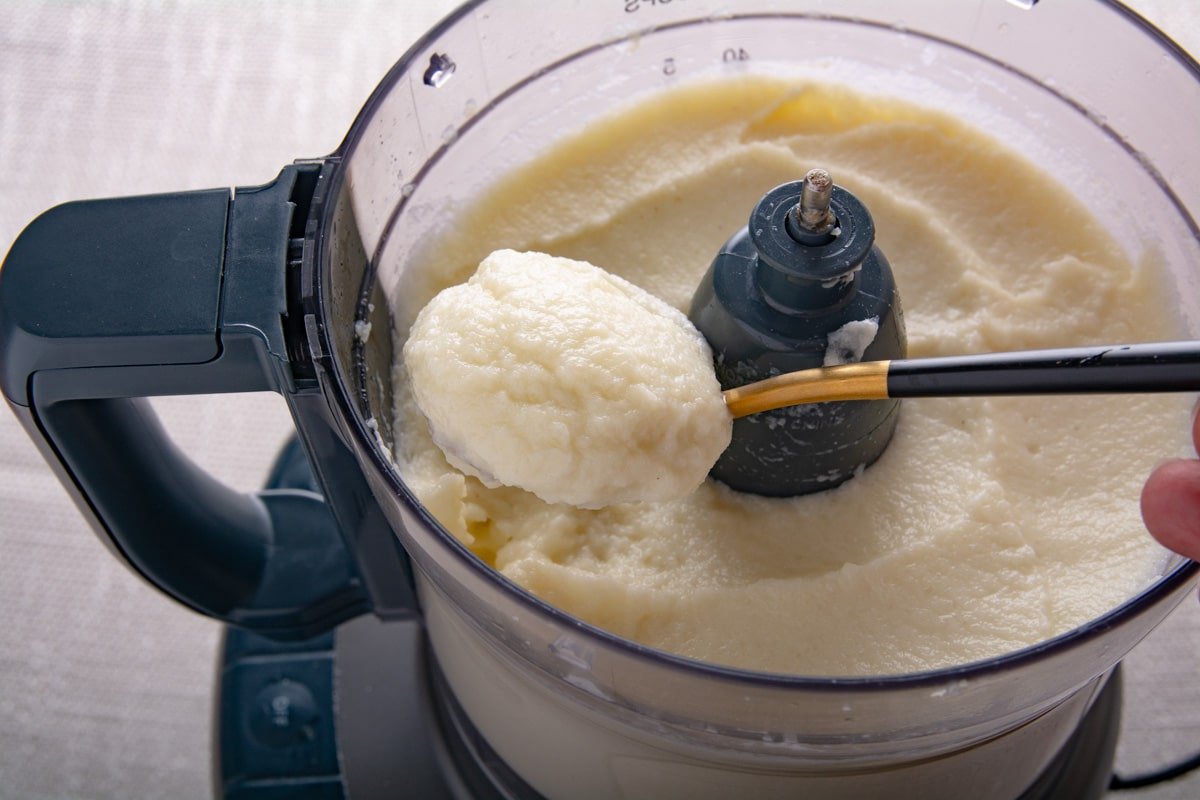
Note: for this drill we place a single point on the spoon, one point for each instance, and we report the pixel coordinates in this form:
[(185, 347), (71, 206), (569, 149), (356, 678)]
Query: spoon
[(1115, 369)]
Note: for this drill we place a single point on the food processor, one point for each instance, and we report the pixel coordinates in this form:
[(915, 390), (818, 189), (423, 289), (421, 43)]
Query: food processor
[(271, 288)]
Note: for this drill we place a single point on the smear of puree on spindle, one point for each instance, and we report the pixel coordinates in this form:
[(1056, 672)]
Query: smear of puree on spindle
[(988, 524)]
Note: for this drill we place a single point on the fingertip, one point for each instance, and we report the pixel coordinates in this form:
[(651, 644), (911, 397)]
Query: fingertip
[(1171, 506), (1196, 426)]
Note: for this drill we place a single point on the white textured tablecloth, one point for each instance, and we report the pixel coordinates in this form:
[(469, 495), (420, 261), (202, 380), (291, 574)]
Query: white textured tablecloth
[(105, 685)]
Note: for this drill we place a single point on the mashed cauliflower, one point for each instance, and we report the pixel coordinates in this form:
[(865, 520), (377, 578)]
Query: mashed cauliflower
[(988, 525), (557, 377)]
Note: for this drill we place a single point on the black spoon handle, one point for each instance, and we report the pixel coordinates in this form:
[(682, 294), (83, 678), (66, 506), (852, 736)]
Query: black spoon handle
[(1122, 368)]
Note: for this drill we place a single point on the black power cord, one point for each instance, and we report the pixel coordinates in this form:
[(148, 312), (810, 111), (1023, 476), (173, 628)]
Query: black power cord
[(1167, 773)]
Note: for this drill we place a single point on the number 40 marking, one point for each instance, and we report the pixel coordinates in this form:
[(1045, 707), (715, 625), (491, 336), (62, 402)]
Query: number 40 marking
[(730, 55)]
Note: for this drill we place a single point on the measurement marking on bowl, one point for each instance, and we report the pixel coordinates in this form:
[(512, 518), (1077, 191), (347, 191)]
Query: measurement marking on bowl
[(441, 69), (952, 689)]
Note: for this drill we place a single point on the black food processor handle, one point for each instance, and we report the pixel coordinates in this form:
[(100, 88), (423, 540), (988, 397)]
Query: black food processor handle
[(104, 303)]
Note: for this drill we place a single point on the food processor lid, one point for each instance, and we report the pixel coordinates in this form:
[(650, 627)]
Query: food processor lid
[(425, 64)]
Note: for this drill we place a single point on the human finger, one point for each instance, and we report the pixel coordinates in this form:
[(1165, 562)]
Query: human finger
[(1171, 506)]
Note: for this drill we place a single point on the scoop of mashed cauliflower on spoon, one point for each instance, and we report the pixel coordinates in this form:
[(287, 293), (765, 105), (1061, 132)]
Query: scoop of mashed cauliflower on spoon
[(556, 377)]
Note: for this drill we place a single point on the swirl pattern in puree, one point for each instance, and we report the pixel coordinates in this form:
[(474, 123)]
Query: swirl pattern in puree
[(987, 526)]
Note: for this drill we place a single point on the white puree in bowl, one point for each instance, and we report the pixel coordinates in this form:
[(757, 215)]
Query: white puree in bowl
[(557, 377), (987, 525)]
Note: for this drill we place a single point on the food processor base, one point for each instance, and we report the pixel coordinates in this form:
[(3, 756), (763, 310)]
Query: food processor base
[(364, 713)]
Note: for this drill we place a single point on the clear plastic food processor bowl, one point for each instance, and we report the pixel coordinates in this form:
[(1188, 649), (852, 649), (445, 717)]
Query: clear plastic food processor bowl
[(1106, 104)]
